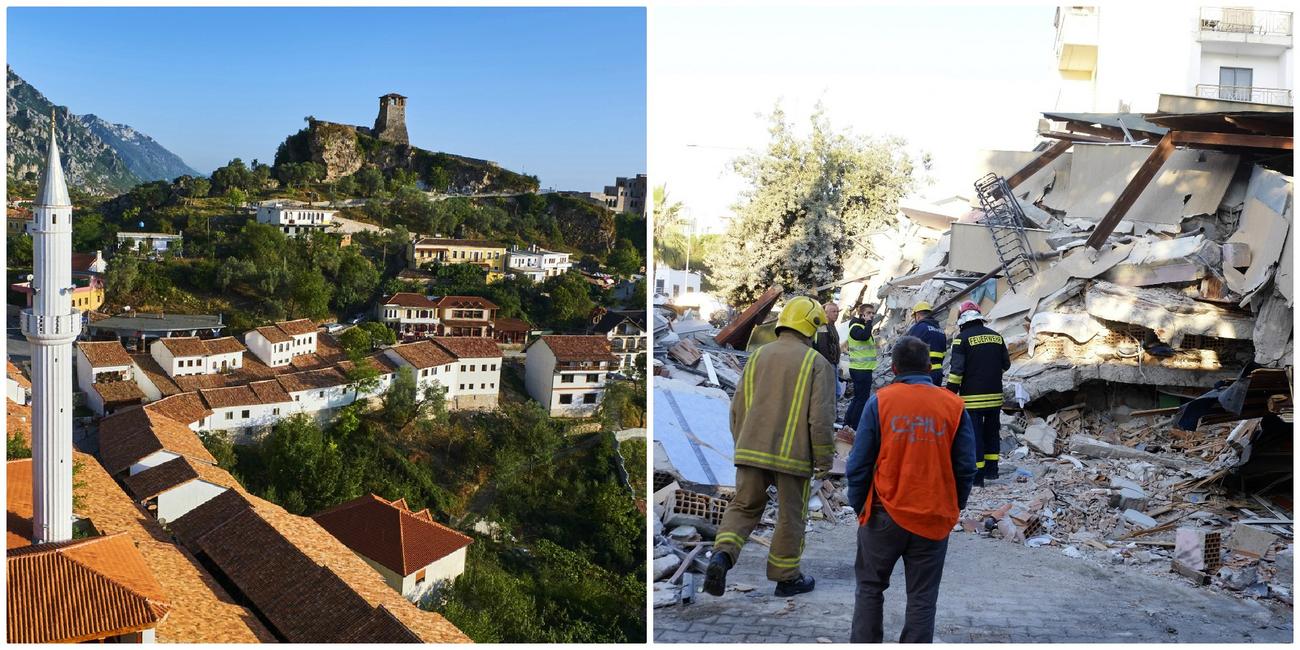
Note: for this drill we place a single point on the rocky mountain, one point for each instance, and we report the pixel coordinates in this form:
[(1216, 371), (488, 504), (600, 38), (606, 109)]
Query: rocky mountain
[(147, 159), (98, 157)]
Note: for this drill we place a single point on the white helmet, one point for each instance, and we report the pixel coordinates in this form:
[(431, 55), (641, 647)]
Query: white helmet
[(968, 316)]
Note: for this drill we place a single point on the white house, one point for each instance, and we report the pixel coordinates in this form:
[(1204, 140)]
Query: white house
[(537, 264), (154, 243), (295, 220), (175, 487), (277, 344), (237, 408), (105, 374), (410, 550), (312, 391), (567, 374), (17, 387), (673, 283), (188, 355), (467, 369), (627, 336), (409, 314), (1148, 57), (385, 369)]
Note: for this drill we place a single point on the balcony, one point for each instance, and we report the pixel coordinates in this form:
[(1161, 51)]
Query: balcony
[(1229, 30), (1076, 39), (1253, 94)]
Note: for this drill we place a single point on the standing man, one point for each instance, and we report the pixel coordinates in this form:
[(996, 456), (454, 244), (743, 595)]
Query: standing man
[(862, 361), (979, 357), (926, 328), (781, 420), (909, 474), (827, 343)]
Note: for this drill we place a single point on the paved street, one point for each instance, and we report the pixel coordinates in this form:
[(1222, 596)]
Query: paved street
[(992, 591)]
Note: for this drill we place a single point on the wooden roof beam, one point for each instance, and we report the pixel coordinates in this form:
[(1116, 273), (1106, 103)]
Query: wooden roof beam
[(1150, 167), (1199, 138), (1044, 159)]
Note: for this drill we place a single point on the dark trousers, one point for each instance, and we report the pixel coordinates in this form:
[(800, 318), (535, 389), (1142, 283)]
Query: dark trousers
[(880, 543), (861, 393), (988, 441)]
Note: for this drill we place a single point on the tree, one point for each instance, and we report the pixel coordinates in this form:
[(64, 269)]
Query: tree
[(233, 175), (623, 406), (19, 251), (625, 260), (570, 300), (236, 198), (355, 281), (371, 180), (668, 216), (809, 202), (122, 277), (306, 467), (309, 294), (399, 401)]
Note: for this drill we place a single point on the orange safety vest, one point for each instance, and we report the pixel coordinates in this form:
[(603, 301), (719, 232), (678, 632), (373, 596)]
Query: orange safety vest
[(913, 472)]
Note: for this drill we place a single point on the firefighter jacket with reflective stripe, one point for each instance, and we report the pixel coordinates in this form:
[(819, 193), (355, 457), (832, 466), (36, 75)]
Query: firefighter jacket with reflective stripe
[(914, 453), (928, 330), (783, 412), (979, 357), (862, 347)]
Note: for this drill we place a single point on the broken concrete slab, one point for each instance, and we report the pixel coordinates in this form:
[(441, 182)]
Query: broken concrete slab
[(1041, 437), (665, 566), (972, 249), (1081, 328), (1264, 231), (1129, 499), (1236, 254), (1171, 314), (1183, 259), (696, 435), (1141, 520), (1251, 541), (1083, 263), (1089, 446), (1273, 330)]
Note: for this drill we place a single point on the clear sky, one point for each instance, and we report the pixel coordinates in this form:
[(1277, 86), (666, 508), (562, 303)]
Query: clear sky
[(555, 92), (949, 80)]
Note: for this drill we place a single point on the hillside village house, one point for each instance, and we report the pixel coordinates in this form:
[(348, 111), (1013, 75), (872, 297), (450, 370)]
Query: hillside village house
[(87, 281), (294, 220), (277, 345), (189, 355), (567, 374), (105, 373), (626, 333), (674, 283), (537, 264), (467, 369), (411, 314), (410, 550), (152, 243), (17, 221), (488, 255)]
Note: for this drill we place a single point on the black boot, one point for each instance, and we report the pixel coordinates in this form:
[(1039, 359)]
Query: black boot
[(715, 577), (801, 585)]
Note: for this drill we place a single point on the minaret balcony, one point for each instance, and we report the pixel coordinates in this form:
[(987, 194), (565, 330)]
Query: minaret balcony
[(64, 326)]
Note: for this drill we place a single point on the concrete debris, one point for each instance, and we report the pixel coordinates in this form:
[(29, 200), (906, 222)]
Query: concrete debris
[(1040, 437), (1252, 541), (1141, 520), (665, 566)]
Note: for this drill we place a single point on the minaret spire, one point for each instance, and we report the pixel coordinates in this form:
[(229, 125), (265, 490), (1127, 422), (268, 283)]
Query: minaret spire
[(51, 325)]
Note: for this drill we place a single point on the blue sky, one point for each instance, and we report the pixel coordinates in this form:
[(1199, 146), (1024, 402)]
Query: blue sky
[(555, 92)]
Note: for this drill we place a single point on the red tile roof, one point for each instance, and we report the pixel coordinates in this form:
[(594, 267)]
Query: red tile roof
[(469, 347), (186, 408), (81, 590), (130, 435), (579, 348), (156, 375), (424, 354), (297, 327), (403, 299), (81, 262), (511, 325), (190, 383), (390, 534), (224, 345), (104, 354), (184, 346), (258, 392), (273, 334), (312, 380), (118, 392), (465, 302), (473, 243)]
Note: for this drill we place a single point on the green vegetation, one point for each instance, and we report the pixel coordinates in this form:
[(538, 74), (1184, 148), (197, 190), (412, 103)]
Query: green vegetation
[(568, 565), (16, 447)]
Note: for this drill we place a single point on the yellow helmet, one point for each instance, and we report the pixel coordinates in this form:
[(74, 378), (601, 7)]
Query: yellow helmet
[(922, 306), (803, 315)]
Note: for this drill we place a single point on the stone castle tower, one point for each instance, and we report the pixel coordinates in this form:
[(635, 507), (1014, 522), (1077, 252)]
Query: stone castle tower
[(390, 126)]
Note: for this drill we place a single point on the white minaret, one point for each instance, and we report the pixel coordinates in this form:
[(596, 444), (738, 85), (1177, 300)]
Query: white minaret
[(51, 325)]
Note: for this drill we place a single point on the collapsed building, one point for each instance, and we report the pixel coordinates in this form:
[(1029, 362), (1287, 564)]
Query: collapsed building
[(1140, 268)]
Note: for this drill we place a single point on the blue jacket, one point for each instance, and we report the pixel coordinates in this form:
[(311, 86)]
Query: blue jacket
[(928, 330), (861, 464)]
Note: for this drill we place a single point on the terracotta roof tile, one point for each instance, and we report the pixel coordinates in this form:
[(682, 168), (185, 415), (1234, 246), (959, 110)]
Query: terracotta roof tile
[(379, 361), (252, 370), (579, 348), (160, 478), (18, 421), (186, 408), (104, 354), (297, 327), (156, 375), (474, 243), (129, 435), (81, 590), (423, 354), (273, 334), (465, 302), (118, 392), (390, 534), (191, 383), (258, 392), (16, 374), (202, 611), (312, 380), (184, 346), (223, 345), (511, 325), (403, 299), (469, 347)]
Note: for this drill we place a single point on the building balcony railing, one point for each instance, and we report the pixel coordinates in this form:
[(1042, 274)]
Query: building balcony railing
[(1256, 94), (1229, 20)]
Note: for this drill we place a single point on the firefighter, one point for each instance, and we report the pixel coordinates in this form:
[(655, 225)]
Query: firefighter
[(781, 420), (926, 328), (979, 357), (862, 362)]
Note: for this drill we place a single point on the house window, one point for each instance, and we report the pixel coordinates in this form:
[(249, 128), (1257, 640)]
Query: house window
[(566, 399), (566, 379), (471, 368), (1235, 83), (462, 386), (244, 414), (482, 386), (494, 367), (320, 394), (230, 415), (593, 378), (462, 367), (275, 411), (419, 577), (589, 398)]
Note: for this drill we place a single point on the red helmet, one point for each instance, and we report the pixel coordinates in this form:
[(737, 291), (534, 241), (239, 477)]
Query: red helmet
[(968, 306)]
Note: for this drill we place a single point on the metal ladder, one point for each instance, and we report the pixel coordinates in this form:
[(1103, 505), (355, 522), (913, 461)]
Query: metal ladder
[(1006, 224)]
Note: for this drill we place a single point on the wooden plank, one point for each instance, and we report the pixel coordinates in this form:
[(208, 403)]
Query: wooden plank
[(1233, 140), (1076, 137), (1044, 159), (736, 333), (1132, 191)]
